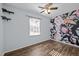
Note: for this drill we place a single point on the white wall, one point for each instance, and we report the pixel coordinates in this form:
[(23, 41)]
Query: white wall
[(16, 31), (1, 32)]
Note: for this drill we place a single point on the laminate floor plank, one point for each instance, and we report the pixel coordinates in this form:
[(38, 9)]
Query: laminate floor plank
[(47, 48)]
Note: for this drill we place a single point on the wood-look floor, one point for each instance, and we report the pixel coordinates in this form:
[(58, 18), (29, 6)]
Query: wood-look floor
[(47, 48)]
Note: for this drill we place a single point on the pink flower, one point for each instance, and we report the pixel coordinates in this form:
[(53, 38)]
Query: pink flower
[(64, 30)]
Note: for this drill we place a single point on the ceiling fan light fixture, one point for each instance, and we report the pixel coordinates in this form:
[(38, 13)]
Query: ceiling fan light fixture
[(47, 11)]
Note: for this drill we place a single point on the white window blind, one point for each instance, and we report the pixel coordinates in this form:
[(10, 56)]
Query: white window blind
[(34, 26)]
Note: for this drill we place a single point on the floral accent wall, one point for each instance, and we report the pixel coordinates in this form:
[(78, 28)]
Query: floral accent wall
[(65, 27)]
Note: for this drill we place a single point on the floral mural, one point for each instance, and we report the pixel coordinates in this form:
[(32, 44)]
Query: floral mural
[(65, 27)]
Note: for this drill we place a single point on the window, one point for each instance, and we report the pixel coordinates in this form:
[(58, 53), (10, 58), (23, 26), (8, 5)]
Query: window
[(34, 26)]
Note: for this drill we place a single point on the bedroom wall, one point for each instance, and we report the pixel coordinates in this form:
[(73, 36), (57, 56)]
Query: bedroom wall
[(16, 31), (1, 32)]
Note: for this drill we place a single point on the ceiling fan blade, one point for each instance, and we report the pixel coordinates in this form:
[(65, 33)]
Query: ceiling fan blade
[(53, 8), (42, 11), (41, 7), (49, 4)]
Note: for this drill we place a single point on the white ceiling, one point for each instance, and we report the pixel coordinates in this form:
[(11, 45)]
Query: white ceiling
[(33, 7)]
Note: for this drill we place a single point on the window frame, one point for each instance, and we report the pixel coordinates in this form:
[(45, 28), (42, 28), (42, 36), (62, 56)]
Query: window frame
[(34, 24)]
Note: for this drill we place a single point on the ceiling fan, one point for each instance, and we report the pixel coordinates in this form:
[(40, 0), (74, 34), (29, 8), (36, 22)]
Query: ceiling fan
[(47, 8)]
